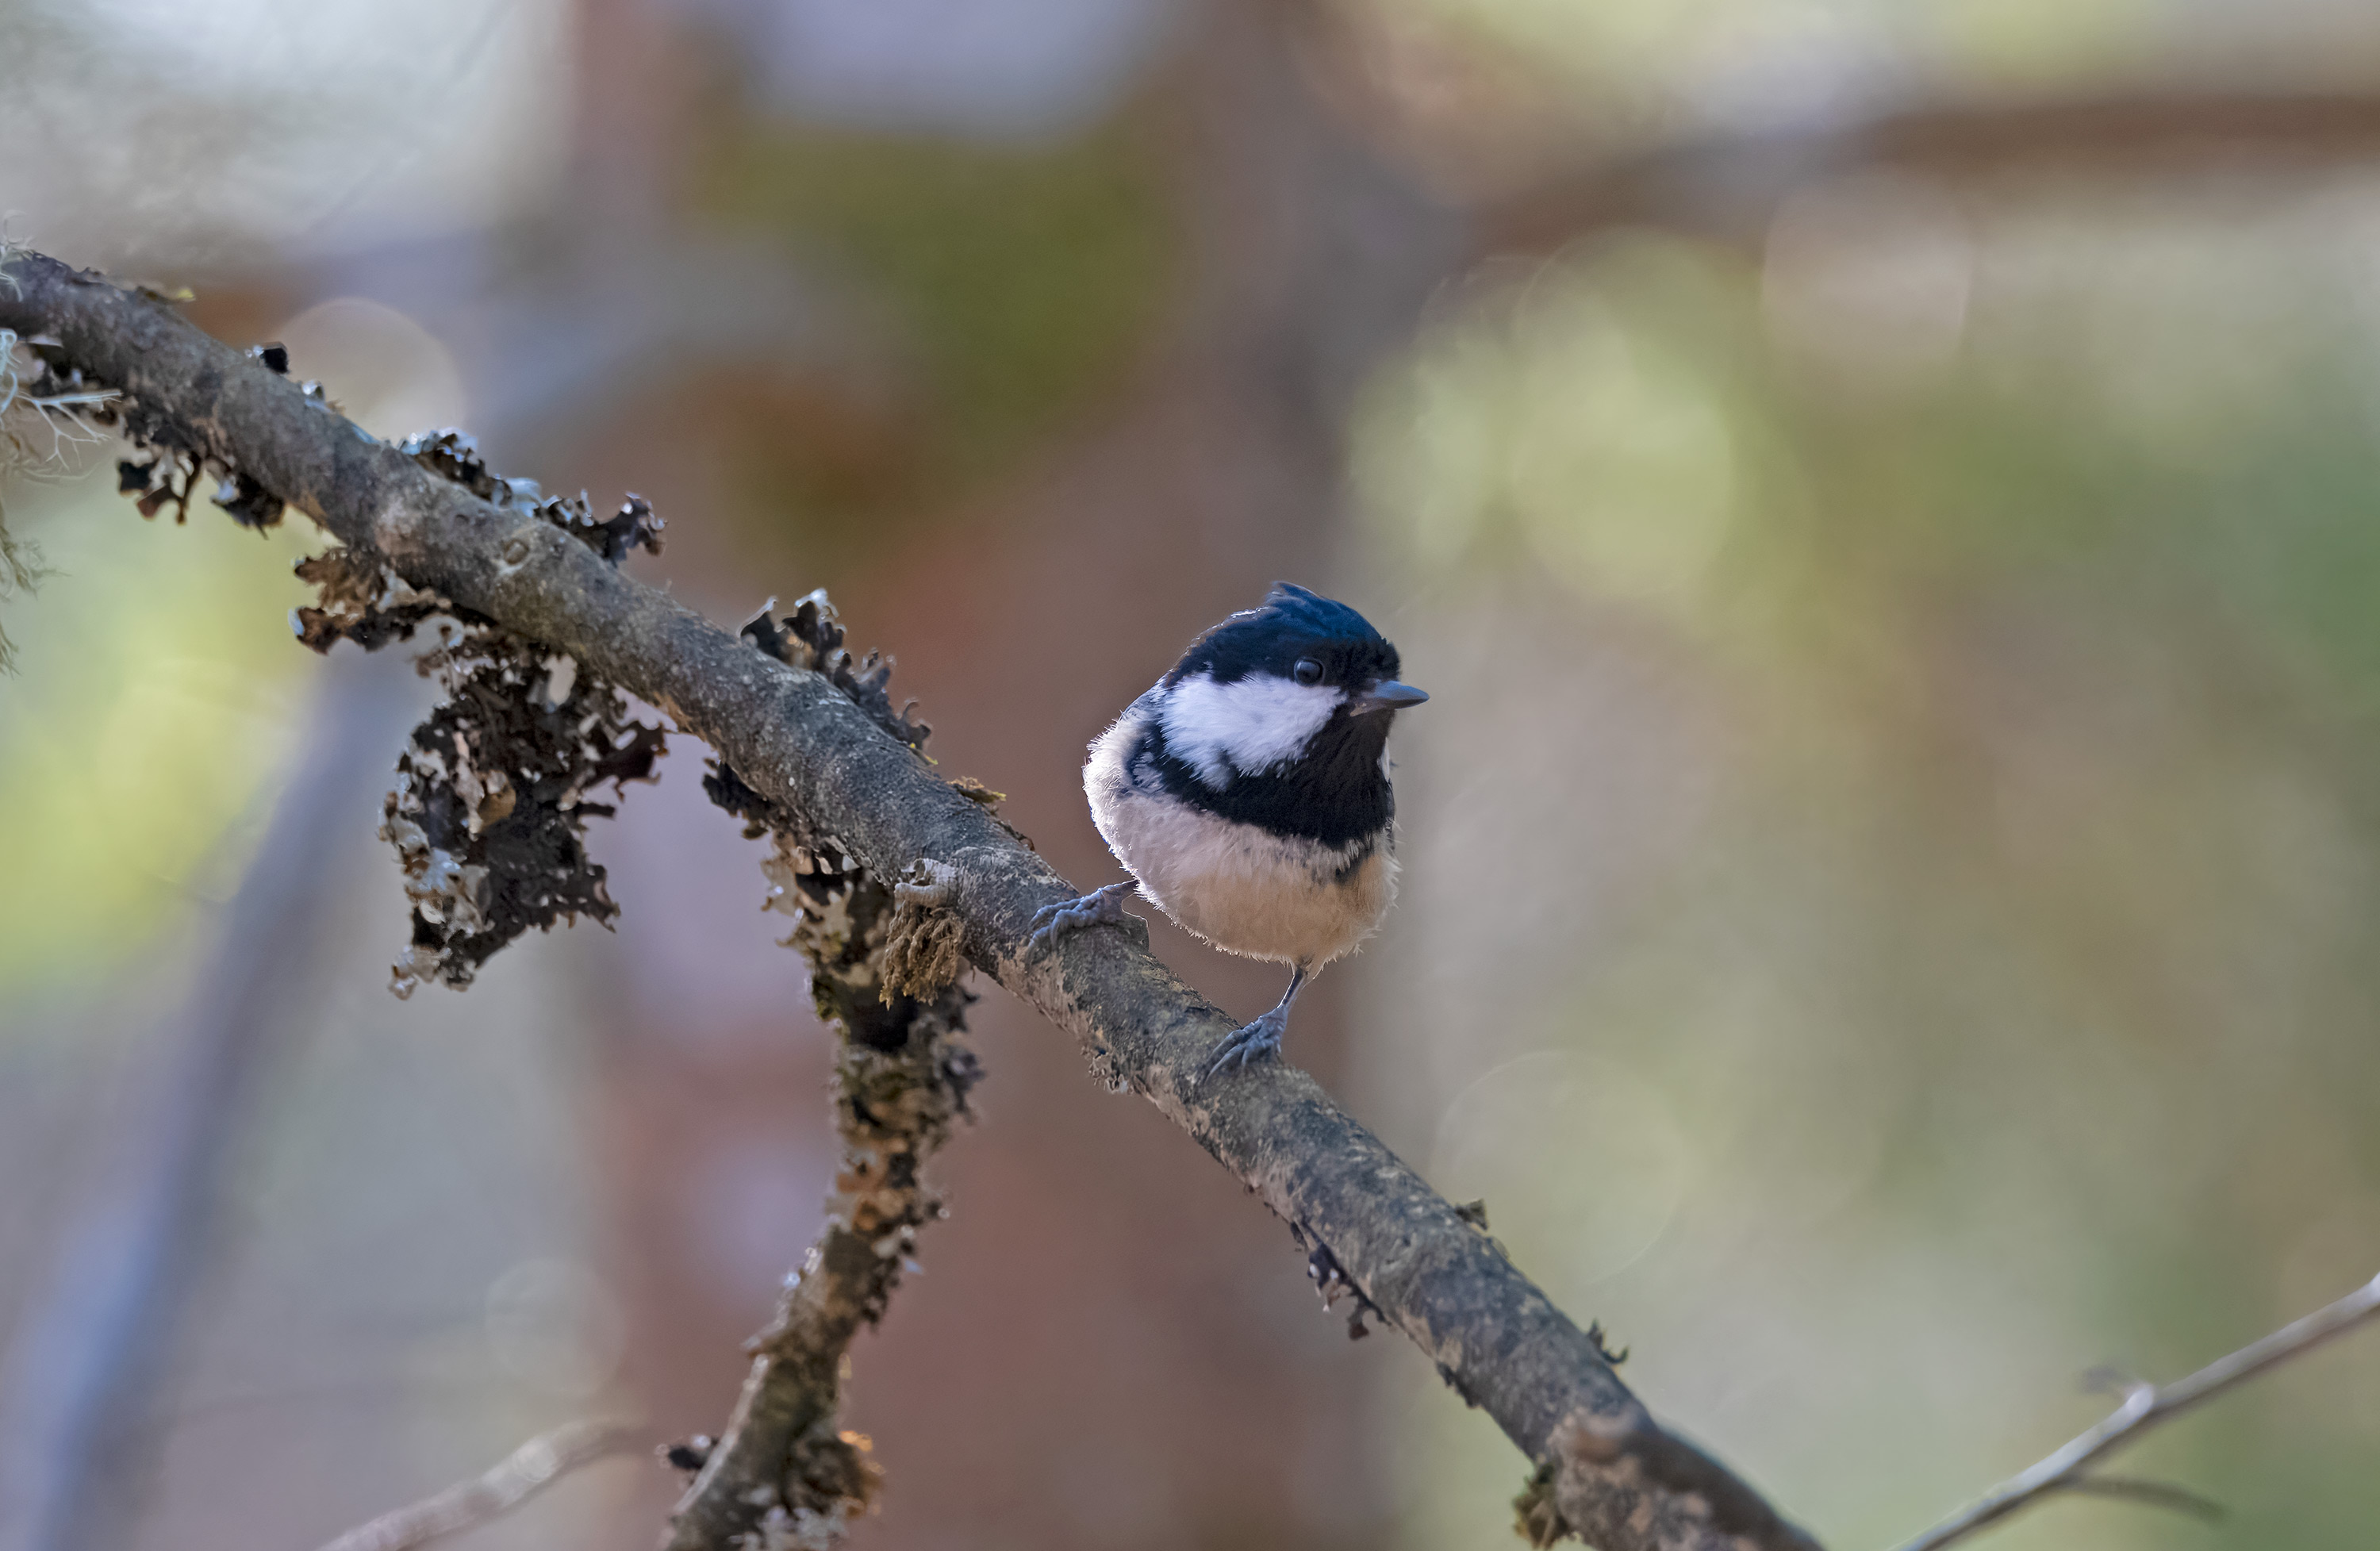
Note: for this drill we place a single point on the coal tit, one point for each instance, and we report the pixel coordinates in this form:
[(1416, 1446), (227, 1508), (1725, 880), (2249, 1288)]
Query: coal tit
[(1248, 794)]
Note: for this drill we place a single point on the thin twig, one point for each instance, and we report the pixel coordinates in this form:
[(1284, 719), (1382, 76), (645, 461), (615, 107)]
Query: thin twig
[(1729, 185), (520, 1475), (2145, 1407)]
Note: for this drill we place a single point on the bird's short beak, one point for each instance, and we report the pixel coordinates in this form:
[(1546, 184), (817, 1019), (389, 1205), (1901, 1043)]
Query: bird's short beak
[(1385, 695)]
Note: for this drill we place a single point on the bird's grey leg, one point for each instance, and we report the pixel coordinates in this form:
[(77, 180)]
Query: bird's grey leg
[(1054, 921), (1263, 1037)]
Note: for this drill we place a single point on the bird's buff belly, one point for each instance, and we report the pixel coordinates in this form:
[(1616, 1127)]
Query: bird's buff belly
[(1246, 889)]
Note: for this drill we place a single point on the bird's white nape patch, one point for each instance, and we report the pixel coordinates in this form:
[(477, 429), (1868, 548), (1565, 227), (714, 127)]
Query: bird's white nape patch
[(1247, 726)]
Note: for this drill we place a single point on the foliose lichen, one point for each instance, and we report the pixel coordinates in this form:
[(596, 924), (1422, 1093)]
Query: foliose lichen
[(493, 793)]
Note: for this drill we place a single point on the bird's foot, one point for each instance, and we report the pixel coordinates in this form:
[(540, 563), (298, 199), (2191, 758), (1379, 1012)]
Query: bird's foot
[(1252, 1041), (1052, 921)]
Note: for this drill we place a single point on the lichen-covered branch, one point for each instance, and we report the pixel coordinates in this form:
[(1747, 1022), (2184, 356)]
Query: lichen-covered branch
[(783, 1471), (798, 740), (39, 436)]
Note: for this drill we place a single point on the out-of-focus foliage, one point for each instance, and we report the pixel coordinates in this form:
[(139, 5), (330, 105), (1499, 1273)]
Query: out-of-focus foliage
[(1016, 280), (1661, 65), (1892, 858), (147, 131), (158, 682), (153, 695), (1904, 793)]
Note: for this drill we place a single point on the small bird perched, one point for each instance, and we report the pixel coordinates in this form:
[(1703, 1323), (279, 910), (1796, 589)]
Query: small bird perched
[(1248, 794)]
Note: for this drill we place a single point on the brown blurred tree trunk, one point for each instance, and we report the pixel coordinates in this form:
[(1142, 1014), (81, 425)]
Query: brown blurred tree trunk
[(1108, 1348)]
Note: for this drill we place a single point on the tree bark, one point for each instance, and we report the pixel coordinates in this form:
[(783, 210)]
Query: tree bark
[(1619, 1478)]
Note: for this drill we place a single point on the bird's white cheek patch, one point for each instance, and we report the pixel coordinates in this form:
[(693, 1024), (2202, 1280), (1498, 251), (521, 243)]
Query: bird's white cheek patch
[(1249, 725)]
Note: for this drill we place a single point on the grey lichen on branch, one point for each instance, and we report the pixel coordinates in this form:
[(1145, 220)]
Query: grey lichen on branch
[(489, 813), (453, 454), (792, 737), (812, 636), (783, 1475), (45, 423), (493, 794), (922, 946)]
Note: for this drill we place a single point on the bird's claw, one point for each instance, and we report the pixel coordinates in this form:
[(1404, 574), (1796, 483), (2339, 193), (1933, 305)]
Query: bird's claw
[(1251, 1042), (1100, 906)]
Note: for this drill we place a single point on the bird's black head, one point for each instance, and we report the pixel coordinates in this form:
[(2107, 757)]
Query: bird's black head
[(1279, 717), (1295, 635)]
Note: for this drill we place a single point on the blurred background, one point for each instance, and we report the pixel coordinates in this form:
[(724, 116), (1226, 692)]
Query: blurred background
[(1884, 495)]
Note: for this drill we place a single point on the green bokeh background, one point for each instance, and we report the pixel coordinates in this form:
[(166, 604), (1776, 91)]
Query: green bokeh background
[(1991, 997), (1894, 861)]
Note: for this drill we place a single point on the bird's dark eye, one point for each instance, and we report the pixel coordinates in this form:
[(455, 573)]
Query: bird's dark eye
[(1307, 670)]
